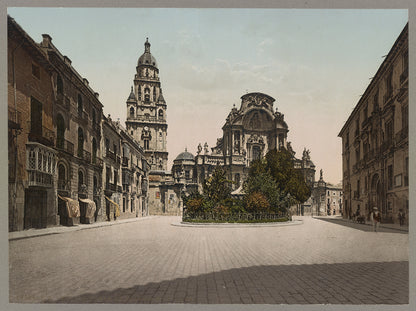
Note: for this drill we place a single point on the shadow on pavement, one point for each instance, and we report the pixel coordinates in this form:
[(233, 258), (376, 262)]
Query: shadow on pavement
[(362, 227), (344, 283)]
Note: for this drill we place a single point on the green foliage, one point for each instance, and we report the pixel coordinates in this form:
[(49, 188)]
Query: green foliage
[(217, 188), (290, 180), (257, 202)]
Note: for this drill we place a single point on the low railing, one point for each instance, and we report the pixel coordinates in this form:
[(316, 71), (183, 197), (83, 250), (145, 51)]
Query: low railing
[(237, 217), (85, 155), (65, 145), (97, 161), (40, 134), (402, 135), (14, 117), (111, 187), (111, 155)]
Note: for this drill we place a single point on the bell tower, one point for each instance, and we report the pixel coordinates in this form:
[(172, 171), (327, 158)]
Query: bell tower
[(146, 111)]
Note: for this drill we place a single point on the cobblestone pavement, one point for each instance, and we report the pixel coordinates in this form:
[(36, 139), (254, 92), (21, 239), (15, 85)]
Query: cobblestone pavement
[(152, 261)]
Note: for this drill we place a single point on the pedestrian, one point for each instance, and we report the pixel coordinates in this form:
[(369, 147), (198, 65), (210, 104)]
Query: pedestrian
[(375, 218), (402, 217)]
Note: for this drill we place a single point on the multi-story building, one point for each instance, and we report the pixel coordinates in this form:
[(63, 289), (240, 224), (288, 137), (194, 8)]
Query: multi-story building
[(32, 158), (57, 174), (375, 145), (77, 122), (326, 198), (146, 111)]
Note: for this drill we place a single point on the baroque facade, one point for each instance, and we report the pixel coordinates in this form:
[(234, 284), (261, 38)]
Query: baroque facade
[(375, 142)]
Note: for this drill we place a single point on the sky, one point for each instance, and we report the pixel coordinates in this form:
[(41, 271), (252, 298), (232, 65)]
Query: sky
[(316, 63)]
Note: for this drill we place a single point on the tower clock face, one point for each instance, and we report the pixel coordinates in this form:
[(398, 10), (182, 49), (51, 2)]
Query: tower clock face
[(146, 128)]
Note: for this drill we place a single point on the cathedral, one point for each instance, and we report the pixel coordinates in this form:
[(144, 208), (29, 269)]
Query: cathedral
[(248, 134)]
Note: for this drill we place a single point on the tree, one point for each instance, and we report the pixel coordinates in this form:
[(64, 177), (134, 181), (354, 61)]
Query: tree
[(290, 180), (217, 188), (261, 181)]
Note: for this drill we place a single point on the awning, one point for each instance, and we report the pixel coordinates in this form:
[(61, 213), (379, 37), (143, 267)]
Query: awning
[(72, 206), (116, 207), (238, 191), (89, 213)]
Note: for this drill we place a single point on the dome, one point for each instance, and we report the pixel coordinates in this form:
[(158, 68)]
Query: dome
[(147, 58), (185, 156)]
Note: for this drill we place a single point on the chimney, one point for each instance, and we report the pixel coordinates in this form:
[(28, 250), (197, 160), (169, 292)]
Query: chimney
[(47, 40), (67, 60)]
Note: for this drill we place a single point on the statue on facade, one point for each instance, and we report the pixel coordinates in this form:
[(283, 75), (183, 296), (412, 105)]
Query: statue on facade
[(206, 151), (199, 149), (321, 175)]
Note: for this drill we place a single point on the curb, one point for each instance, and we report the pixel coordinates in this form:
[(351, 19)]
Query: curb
[(237, 225), (403, 229), (19, 235)]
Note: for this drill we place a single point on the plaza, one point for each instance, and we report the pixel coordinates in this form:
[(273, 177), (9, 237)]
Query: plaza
[(151, 261)]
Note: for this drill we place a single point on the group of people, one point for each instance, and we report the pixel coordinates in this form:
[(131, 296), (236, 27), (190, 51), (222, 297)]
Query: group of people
[(375, 217)]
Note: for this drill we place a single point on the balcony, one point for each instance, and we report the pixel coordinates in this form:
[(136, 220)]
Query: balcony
[(41, 165), (152, 119), (110, 155), (65, 145), (404, 76), (125, 161), (40, 134), (63, 101), (97, 161), (82, 115), (64, 185), (110, 187), (85, 155), (402, 135), (15, 118), (96, 128)]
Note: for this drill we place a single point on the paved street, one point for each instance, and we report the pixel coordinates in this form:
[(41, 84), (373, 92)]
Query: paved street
[(151, 261)]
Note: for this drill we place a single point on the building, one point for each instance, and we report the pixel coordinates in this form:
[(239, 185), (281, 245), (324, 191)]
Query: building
[(31, 136), (67, 163), (375, 142), (77, 122), (248, 134), (326, 198)]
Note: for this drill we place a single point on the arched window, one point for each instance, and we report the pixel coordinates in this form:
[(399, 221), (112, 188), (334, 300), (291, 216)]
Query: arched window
[(61, 177), (147, 94), (59, 85), (80, 142), (256, 153), (80, 107), (80, 179), (94, 117), (95, 184), (160, 114), (154, 94), (131, 112), (94, 150), (60, 131)]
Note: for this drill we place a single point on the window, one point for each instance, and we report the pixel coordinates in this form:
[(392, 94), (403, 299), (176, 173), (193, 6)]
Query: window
[(256, 153), (94, 117), (61, 177), (124, 205), (160, 114), (146, 144), (35, 117), (80, 142), (154, 94), (375, 102), (131, 112), (406, 172), (389, 131), (115, 177), (389, 84), (187, 175), (405, 117), (390, 177), (59, 85), (358, 188), (80, 179), (60, 131), (107, 145), (36, 71), (80, 107), (115, 148), (365, 112), (94, 150), (357, 127)]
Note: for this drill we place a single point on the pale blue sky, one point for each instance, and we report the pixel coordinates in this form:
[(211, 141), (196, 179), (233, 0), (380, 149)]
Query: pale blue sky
[(315, 63)]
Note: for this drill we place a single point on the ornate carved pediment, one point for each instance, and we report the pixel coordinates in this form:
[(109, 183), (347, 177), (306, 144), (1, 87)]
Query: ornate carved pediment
[(255, 139)]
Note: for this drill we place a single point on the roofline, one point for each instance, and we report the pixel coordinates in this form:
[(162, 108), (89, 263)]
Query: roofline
[(404, 33)]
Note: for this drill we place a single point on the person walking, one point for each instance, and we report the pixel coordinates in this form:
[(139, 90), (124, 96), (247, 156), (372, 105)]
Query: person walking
[(402, 217), (375, 218)]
